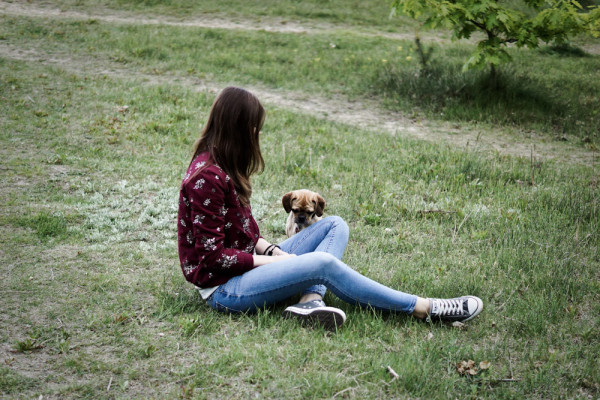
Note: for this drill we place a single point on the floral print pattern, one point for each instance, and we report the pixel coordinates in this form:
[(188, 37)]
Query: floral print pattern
[(216, 233)]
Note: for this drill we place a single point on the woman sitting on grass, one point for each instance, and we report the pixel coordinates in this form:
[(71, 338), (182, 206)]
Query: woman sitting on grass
[(236, 270)]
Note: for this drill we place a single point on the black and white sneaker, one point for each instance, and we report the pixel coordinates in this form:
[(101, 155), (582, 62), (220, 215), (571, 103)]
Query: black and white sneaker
[(316, 312), (459, 309)]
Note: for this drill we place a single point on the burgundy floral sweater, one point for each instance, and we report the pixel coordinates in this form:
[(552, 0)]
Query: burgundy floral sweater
[(216, 233)]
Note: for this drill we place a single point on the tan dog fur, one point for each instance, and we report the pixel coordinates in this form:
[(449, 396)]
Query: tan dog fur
[(305, 208)]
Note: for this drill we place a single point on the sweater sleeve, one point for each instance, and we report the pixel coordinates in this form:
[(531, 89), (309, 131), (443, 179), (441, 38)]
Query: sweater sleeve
[(207, 194)]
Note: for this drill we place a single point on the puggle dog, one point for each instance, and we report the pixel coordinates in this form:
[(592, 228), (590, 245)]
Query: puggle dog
[(305, 208)]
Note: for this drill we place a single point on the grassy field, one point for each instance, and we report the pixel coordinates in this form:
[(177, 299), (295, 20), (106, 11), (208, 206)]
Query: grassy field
[(550, 92), (364, 14), (94, 304)]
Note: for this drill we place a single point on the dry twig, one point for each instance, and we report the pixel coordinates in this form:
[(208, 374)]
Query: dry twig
[(392, 372), (342, 391), (422, 212), (460, 226)]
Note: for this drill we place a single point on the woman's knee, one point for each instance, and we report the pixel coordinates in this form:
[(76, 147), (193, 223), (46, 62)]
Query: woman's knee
[(337, 221), (338, 224), (324, 261)]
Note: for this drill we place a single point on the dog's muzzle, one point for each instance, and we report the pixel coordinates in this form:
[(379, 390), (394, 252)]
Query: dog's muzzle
[(302, 221)]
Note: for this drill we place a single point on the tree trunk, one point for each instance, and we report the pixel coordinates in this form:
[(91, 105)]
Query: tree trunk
[(493, 77)]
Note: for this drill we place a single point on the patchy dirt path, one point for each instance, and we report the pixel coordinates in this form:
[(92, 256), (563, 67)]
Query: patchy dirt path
[(268, 24), (364, 113)]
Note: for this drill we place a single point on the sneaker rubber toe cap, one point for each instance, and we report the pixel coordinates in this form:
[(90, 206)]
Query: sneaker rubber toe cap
[(474, 305)]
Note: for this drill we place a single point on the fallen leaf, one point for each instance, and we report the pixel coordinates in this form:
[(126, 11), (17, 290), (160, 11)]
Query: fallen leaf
[(120, 319), (467, 367), (483, 365)]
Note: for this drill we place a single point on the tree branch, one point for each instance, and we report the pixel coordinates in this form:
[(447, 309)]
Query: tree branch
[(491, 34)]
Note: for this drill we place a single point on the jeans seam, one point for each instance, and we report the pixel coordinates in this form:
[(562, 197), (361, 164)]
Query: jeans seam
[(302, 240), (332, 229)]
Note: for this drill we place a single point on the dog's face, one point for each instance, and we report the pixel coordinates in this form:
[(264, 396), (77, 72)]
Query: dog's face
[(305, 208)]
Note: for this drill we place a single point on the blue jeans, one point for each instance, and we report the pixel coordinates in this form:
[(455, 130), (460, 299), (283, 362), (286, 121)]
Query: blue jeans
[(317, 268)]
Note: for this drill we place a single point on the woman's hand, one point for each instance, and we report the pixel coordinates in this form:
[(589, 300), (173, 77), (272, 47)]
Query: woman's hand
[(262, 246), (278, 252), (261, 259), (283, 256)]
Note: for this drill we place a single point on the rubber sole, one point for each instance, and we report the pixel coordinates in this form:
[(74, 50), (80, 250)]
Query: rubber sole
[(329, 318)]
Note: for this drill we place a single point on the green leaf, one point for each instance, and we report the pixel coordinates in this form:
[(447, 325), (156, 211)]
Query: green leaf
[(491, 22), (501, 23)]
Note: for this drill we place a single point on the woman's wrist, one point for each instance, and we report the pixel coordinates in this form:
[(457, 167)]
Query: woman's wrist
[(269, 250)]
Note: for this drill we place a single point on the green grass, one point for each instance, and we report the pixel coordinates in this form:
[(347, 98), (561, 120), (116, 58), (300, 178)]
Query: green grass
[(94, 304), (15, 383), (539, 93), (526, 96), (366, 14)]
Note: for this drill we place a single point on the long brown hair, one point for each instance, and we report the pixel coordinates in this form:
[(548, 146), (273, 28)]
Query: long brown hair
[(231, 136)]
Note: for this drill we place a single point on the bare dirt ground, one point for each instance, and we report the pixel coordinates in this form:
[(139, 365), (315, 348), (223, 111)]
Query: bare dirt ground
[(365, 113)]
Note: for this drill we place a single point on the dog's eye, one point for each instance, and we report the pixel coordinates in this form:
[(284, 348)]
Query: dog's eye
[(295, 210)]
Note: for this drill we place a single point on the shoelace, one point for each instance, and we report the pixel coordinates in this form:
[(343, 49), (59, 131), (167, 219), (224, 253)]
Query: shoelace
[(448, 307), (319, 303)]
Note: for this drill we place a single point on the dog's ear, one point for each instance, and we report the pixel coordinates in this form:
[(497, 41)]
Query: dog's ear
[(286, 200), (320, 205)]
